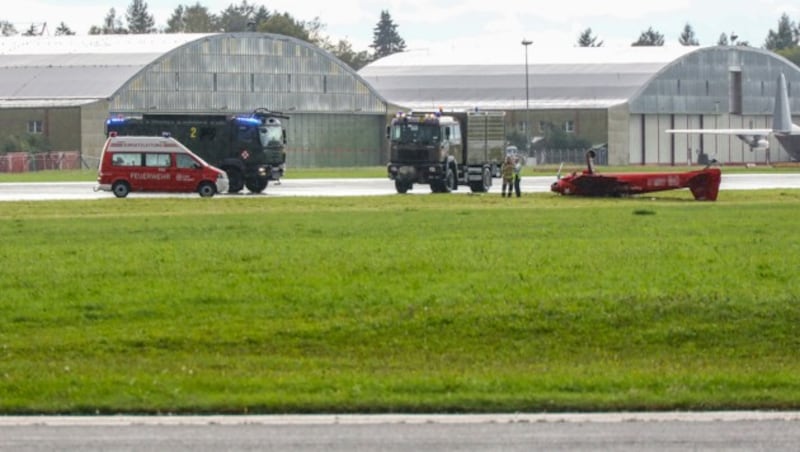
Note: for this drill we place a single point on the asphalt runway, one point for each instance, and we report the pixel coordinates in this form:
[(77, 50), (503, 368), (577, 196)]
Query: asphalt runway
[(676, 431), (348, 187)]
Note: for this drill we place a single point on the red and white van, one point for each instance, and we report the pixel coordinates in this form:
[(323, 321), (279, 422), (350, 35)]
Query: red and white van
[(156, 164)]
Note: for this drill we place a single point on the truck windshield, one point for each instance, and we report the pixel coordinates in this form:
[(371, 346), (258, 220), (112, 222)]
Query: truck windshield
[(415, 133), (271, 135)]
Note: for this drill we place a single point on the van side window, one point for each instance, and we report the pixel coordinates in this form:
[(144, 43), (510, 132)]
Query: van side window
[(157, 160), (184, 161), (127, 159)]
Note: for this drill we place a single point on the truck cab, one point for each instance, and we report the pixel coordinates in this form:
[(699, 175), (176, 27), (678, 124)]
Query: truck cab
[(444, 151)]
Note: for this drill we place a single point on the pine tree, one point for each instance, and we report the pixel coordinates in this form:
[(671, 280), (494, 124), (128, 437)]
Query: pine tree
[(7, 28), (236, 18), (33, 30), (111, 25), (786, 36), (64, 30), (344, 51), (385, 39), (284, 24), (649, 37), (587, 40), (688, 37), (139, 20), (191, 19)]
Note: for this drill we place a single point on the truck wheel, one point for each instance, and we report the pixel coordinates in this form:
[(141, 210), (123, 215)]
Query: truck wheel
[(485, 183), (120, 189), (450, 183), (256, 185), (235, 180), (206, 189), (402, 186)]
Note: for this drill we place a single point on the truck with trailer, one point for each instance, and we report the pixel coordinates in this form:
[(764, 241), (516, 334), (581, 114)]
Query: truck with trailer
[(250, 148), (446, 150)]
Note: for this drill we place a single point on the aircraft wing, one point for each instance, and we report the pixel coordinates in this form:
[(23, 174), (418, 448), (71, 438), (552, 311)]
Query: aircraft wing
[(760, 132)]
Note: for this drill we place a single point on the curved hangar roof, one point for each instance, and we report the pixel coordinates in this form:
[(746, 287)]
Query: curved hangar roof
[(559, 78), (175, 73), (66, 69)]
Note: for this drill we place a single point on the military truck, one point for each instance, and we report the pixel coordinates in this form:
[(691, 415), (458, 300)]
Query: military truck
[(446, 150), (250, 148)]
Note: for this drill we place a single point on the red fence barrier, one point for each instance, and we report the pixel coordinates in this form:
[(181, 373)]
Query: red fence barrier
[(20, 162)]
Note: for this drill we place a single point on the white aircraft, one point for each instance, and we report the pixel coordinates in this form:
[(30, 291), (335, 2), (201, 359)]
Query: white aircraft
[(786, 132)]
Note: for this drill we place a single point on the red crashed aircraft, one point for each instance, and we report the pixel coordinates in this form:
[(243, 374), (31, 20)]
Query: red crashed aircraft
[(704, 183)]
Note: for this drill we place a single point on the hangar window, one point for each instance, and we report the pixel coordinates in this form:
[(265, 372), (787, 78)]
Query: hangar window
[(569, 126), (35, 127)]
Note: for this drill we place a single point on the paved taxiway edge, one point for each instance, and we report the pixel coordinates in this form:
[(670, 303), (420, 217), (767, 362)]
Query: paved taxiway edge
[(356, 419)]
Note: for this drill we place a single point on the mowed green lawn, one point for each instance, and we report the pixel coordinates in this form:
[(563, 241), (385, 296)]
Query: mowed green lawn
[(451, 303)]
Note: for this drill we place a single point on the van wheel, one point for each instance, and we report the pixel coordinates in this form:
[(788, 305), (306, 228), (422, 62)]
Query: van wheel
[(235, 180), (120, 189), (206, 189)]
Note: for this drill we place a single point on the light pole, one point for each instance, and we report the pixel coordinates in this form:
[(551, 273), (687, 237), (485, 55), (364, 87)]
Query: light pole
[(526, 43)]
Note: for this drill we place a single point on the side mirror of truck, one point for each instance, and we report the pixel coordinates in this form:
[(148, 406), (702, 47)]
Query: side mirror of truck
[(283, 135), (388, 132), (447, 133)]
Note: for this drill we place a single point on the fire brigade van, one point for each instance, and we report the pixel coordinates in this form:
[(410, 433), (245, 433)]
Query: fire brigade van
[(155, 164)]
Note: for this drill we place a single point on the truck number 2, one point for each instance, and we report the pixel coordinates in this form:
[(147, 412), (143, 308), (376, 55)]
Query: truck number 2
[(193, 132)]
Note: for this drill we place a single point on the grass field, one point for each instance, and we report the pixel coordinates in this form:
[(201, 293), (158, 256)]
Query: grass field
[(400, 304)]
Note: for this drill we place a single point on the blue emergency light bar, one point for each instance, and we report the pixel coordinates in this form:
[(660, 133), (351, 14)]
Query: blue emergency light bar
[(250, 121), (115, 120)]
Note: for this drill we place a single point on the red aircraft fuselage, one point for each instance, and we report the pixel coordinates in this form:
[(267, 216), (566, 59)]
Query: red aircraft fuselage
[(704, 183)]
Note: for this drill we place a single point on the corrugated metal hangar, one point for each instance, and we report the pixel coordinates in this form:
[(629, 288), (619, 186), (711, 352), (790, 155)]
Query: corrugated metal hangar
[(65, 87), (625, 96)]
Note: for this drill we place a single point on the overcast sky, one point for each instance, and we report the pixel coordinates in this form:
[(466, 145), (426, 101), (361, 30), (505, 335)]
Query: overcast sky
[(464, 24)]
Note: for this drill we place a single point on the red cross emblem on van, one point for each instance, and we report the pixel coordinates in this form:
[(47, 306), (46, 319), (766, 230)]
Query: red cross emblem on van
[(245, 155)]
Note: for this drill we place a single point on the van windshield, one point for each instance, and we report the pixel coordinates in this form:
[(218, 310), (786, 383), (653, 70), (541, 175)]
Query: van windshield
[(186, 161)]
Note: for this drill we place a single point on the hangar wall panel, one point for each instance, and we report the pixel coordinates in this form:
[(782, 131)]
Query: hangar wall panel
[(318, 140), (619, 137), (635, 150)]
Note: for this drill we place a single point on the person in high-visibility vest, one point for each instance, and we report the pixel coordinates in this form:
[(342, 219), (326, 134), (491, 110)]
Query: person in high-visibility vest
[(517, 175), (507, 172)]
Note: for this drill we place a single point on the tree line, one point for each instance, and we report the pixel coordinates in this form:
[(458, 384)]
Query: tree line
[(785, 40), (241, 17)]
